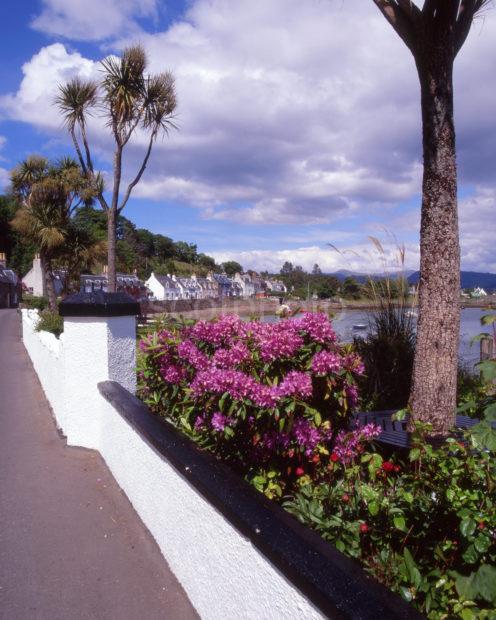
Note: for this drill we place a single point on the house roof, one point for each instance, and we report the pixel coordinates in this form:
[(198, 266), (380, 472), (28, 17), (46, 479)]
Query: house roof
[(166, 281), (8, 276)]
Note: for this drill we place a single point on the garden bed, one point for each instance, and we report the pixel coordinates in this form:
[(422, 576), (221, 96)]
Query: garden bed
[(275, 402)]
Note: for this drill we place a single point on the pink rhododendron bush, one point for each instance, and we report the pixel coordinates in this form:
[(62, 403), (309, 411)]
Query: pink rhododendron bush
[(272, 399)]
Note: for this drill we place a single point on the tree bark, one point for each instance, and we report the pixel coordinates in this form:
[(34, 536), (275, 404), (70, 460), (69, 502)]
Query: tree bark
[(111, 250), (434, 381), (112, 222), (46, 267)]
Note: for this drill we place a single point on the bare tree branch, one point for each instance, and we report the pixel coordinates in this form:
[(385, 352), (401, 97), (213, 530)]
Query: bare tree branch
[(398, 19), (410, 9), (466, 14), (137, 178)]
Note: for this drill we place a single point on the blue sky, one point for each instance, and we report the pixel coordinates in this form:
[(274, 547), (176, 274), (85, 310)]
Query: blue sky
[(299, 123)]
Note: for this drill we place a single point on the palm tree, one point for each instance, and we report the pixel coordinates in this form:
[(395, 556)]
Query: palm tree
[(130, 100), (49, 195), (435, 34)]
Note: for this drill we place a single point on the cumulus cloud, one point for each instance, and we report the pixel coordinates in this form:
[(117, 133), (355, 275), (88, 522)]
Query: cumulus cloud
[(93, 20), (289, 112)]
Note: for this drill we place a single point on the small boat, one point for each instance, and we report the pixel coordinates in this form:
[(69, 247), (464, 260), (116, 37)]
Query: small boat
[(360, 326)]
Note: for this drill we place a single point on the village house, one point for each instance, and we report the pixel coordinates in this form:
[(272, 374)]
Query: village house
[(189, 287), (35, 283), (225, 286), (10, 288), (163, 288), (208, 289), (478, 292), (275, 287), (126, 283)]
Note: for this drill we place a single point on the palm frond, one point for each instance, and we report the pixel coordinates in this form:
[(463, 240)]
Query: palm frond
[(75, 100)]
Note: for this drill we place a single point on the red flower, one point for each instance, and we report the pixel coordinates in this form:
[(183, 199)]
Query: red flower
[(387, 466), (482, 525), (299, 471), (364, 528), (334, 457), (397, 468), (346, 497)]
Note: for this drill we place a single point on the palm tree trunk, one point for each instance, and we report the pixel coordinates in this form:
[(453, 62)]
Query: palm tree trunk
[(112, 221), (433, 392), (46, 267), (111, 249)]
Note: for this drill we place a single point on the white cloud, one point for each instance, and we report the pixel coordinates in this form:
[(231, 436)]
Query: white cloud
[(361, 257), (94, 20), (4, 174), (290, 112)]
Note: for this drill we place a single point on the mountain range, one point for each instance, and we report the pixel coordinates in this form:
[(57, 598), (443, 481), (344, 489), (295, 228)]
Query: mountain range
[(469, 279)]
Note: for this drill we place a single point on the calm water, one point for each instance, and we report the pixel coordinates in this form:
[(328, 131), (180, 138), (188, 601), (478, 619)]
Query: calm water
[(343, 322)]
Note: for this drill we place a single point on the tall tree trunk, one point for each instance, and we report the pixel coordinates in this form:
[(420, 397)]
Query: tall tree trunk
[(46, 267), (111, 249), (433, 392), (112, 214)]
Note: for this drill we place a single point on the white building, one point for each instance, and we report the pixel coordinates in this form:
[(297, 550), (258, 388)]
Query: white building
[(208, 288), (163, 287), (189, 287), (275, 286), (478, 292), (246, 284), (35, 282)]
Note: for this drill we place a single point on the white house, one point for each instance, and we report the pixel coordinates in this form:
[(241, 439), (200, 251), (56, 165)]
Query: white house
[(35, 282), (276, 286), (478, 292), (207, 288), (163, 287), (189, 287), (246, 284)]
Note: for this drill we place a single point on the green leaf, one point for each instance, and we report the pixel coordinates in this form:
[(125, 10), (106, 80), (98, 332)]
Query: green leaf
[(484, 436), (485, 582), (373, 508), (488, 319), (488, 370), (467, 527), (413, 571), (406, 593), (482, 543), (470, 555), (399, 415), (467, 614), (490, 413), (465, 586), (399, 523), (414, 454)]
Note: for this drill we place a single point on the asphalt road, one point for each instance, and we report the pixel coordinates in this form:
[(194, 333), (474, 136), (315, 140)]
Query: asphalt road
[(71, 545)]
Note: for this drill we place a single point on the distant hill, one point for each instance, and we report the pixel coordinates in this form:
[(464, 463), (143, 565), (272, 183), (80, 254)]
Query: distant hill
[(469, 279), (362, 278)]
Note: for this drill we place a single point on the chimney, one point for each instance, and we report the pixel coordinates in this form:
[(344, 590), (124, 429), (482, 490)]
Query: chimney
[(3, 260)]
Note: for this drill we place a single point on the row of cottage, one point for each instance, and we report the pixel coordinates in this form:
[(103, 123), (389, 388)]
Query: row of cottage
[(215, 285), (163, 287)]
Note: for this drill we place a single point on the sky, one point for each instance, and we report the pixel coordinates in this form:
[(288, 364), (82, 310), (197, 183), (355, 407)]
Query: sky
[(298, 124)]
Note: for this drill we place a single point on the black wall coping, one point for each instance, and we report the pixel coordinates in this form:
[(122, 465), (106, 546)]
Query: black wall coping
[(99, 303), (337, 585)]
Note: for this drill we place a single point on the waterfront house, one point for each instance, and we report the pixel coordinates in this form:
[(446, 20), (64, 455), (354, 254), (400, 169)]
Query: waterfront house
[(163, 288), (126, 283)]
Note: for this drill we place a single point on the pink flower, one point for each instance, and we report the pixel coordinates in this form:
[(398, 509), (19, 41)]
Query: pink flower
[(220, 421), (229, 358), (325, 362), (295, 383), (307, 435), (190, 353), (172, 373), (348, 444), (318, 326)]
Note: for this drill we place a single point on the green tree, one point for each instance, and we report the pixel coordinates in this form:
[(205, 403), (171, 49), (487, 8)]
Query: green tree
[(129, 99), (49, 195), (231, 267), (435, 34), (351, 289)]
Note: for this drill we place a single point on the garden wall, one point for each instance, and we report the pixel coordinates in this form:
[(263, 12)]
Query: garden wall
[(235, 553)]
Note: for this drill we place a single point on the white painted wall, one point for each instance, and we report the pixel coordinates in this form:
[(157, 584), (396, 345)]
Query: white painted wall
[(155, 287), (224, 575), (34, 278)]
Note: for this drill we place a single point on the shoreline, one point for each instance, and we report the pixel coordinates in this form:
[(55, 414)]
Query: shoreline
[(210, 309)]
